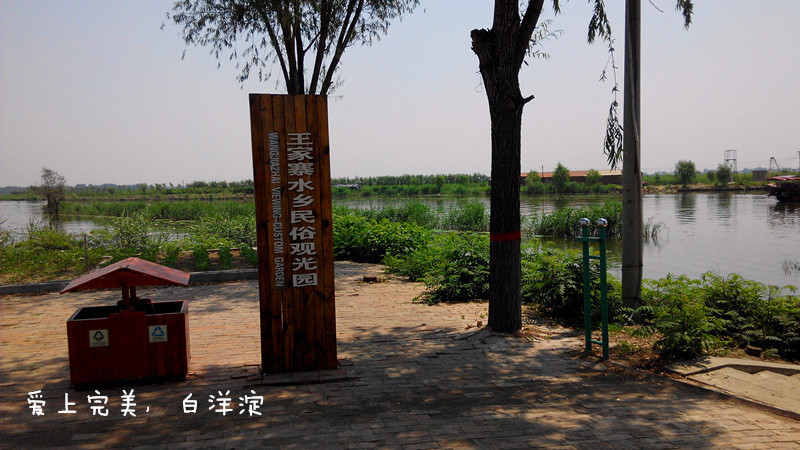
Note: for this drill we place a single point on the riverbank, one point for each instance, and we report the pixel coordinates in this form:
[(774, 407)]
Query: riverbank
[(664, 189)]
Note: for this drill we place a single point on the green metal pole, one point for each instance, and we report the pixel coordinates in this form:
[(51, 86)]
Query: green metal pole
[(587, 287), (602, 224)]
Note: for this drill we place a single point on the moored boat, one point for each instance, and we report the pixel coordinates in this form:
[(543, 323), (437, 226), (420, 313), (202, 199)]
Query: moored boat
[(785, 188)]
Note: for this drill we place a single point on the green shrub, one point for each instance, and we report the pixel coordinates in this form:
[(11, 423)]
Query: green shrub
[(458, 271), (674, 308), (201, 260), (552, 283), (225, 257), (172, 251), (360, 239), (753, 313), (249, 254), (130, 236), (46, 254), (231, 228)]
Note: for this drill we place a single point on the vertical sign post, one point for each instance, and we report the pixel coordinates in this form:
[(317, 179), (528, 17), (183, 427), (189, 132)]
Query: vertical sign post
[(291, 176)]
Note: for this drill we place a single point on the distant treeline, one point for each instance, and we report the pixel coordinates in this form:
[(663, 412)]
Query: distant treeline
[(142, 190), (412, 180)]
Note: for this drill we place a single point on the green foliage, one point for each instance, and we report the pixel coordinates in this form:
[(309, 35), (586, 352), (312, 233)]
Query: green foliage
[(307, 38), (172, 250), (250, 254), (685, 172), (454, 267), (674, 307), (723, 174), (53, 191), (565, 222), (754, 313), (533, 177), (693, 316), (552, 283), (358, 238), (225, 257), (560, 177), (240, 228), (45, 254), (411, 212), (471, 216), (593, 177), (130, 236), (202, 261)]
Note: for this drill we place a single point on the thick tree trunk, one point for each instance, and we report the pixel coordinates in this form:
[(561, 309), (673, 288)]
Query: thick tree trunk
[(632, 224), (505, 272), (501, 51)]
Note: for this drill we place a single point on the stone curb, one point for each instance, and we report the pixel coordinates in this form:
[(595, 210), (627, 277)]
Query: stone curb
[(215, 276)]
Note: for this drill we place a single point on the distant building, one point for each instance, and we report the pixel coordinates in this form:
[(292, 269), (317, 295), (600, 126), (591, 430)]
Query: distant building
[(579, 176), (759, 174)]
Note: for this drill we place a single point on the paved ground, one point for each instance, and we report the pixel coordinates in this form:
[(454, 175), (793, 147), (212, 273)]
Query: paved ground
[(412, 376), (768, 383)]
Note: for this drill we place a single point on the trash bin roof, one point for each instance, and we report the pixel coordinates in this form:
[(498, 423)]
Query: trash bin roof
[(129, 272)]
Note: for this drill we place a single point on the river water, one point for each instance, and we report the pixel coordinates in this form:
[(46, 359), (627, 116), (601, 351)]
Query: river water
[(725, 232)]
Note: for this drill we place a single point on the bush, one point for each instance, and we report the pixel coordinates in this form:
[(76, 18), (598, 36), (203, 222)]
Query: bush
[(752, 313), (552, 283), (130, 236), (46, 254), (693, 316), (225, 257), (458, 270), (228, 227), (249, 254), (360, 239), (201, 260), (674, 308), (172, 251)]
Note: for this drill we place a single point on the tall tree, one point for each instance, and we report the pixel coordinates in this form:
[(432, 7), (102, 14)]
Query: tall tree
[(52, 189), (685, 172), (501, 51), (295, 34)]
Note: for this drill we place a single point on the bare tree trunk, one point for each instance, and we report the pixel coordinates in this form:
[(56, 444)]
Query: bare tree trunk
[(632, 223)]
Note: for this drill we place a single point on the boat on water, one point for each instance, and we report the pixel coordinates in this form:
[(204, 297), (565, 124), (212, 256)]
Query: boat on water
[(785, 188)]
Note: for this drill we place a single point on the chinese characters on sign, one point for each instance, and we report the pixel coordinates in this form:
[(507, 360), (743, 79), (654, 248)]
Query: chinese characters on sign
[(303, 264), (223, 404), (302, 248), (291, 175)]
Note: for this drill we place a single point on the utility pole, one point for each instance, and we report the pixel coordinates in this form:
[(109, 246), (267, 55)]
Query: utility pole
[(632, 239)]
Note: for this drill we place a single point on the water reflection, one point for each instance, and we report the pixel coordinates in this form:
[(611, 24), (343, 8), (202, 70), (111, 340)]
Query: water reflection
[(723, 207), (782, 215), (685, 208), (18, 216)]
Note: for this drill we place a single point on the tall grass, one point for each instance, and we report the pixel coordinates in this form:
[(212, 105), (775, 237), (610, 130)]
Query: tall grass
[(163, 210)]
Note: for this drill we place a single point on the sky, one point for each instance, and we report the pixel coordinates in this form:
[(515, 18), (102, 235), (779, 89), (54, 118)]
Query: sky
[(99, 92)]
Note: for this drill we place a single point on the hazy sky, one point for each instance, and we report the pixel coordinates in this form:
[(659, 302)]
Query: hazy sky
[(98, 91)]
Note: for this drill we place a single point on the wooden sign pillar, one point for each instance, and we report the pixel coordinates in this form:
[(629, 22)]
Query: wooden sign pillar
[(291, 175)]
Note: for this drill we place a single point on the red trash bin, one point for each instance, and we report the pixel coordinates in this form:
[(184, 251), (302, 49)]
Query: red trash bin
[(135, 339)]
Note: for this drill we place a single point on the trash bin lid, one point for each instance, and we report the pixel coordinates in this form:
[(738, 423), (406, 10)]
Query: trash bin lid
[(129, 272)]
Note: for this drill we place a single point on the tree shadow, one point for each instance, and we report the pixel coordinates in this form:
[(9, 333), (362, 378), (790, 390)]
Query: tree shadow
[(412, 385)]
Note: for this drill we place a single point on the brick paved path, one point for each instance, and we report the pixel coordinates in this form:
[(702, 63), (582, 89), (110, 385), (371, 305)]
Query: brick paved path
[(416, 378)]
